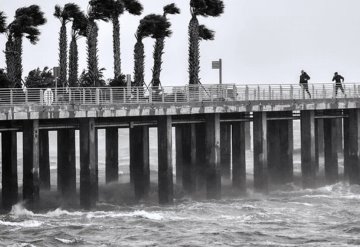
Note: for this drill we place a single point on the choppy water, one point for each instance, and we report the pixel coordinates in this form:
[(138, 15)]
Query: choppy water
[(328, 216)]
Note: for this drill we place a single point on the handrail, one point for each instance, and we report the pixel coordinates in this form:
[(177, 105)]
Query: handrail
[(174, 94)]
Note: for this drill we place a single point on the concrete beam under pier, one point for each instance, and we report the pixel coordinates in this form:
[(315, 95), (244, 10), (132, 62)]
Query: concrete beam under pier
[(165, 176), (213, 169), (9, 169), (31, 181), (88, 180)]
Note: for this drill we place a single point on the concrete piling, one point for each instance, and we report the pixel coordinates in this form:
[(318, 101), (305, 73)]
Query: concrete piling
[(200, 157), (179, 154), (225, 149), (188, 138), (213, 169), (31, 183), (9, 169), (165, 176), (308, 162), (66, 164), (88, 180), (139, 161), (261, 172), (112, 155), (352, 133), (239, 157), (44, 159), (331, 150)]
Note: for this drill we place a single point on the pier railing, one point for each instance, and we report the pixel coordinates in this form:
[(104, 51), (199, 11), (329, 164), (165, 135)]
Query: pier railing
[(176, 94)]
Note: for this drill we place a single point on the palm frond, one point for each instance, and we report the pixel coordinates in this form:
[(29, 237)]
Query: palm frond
[(2, 22), (214, 7), (58, 11), (205, 33), (134, 7), (171, 9)]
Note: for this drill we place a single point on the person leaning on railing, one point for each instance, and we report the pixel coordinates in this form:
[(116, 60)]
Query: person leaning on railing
[(338, 83), (304, 78)]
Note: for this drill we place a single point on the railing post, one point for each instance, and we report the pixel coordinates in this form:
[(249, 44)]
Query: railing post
[(137, 95), (97, 95), (291, 92), (11, 97), (41, 97), (111, 96), (324, 92), (150, 95), (200, 94), (313, 91), (175, 97), (246, 93), (270, 93), (162, 95), (69, 95), (281, 92), (258, 88), (26, 96), (187, 89), (84, 96), (124, 94)]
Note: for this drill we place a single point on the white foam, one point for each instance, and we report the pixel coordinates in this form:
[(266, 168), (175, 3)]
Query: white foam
[(137, 213), (18, 210), (60, 212), (23, 224), (66, 241)]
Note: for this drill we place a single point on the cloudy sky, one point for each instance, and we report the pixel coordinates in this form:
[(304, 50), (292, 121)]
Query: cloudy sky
[(260, 41)]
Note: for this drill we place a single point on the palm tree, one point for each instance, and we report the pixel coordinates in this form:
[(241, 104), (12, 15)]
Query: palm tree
[(78, 30), (2, 22), (145, 29), (163, 32), (203, 8), (64, 15), (98, 10), (27, 20), (118, 8)]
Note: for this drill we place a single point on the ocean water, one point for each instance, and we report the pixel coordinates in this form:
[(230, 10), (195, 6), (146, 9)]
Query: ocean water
[(288, 216)]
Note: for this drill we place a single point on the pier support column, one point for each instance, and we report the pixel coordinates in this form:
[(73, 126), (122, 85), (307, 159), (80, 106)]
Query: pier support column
[(44, 160), (331, 149), (200, 165), (352, 131), (346, 123), (261, 175), (179, 154), (225, 149), (308, 162), (66, 164), (165, 176), (247, 136), (189, 158), (319, 142), (239, 157), (112, 155), (88, 180), (9, 169), (213, 169), (31, 181), (139, 161)]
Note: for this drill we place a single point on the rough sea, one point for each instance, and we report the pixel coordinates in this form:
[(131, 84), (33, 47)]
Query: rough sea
[(288, 216)]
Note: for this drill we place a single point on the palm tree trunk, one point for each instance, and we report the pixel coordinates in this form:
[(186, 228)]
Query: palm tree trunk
[(63, 54), (158, 52), (116, 47), (93, 69), (18, 62), (73, 62), (194, 51), (139, 58), (10, 60)]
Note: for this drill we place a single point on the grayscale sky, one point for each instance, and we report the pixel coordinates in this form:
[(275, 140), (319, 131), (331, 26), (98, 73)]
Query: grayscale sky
[(260, 41)]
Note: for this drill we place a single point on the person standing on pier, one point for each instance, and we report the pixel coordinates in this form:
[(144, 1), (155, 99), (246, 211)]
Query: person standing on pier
[(338, 83), (304, 78)]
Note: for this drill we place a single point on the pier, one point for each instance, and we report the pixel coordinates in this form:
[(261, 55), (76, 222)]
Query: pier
[(211, 137)]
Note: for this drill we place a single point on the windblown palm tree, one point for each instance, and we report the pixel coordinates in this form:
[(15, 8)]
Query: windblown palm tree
[(27, 20), (64, 14), (119, 6), (163, 32), (98, 10), (78, 30), (203, 8), (145, 29), (2, 22)]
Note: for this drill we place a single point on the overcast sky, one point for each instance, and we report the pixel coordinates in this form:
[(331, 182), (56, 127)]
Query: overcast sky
[(260, 41)]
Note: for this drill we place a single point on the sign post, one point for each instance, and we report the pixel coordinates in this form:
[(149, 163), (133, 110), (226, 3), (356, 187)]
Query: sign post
[(218, 65)]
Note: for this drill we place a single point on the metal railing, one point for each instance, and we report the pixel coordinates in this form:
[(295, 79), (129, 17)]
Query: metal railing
[(176, 94)]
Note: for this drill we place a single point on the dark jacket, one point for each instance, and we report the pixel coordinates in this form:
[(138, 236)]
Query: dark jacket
[(338, 79), (304, 77)]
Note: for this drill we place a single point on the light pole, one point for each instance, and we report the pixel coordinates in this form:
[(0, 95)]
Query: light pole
[(218, 65)]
